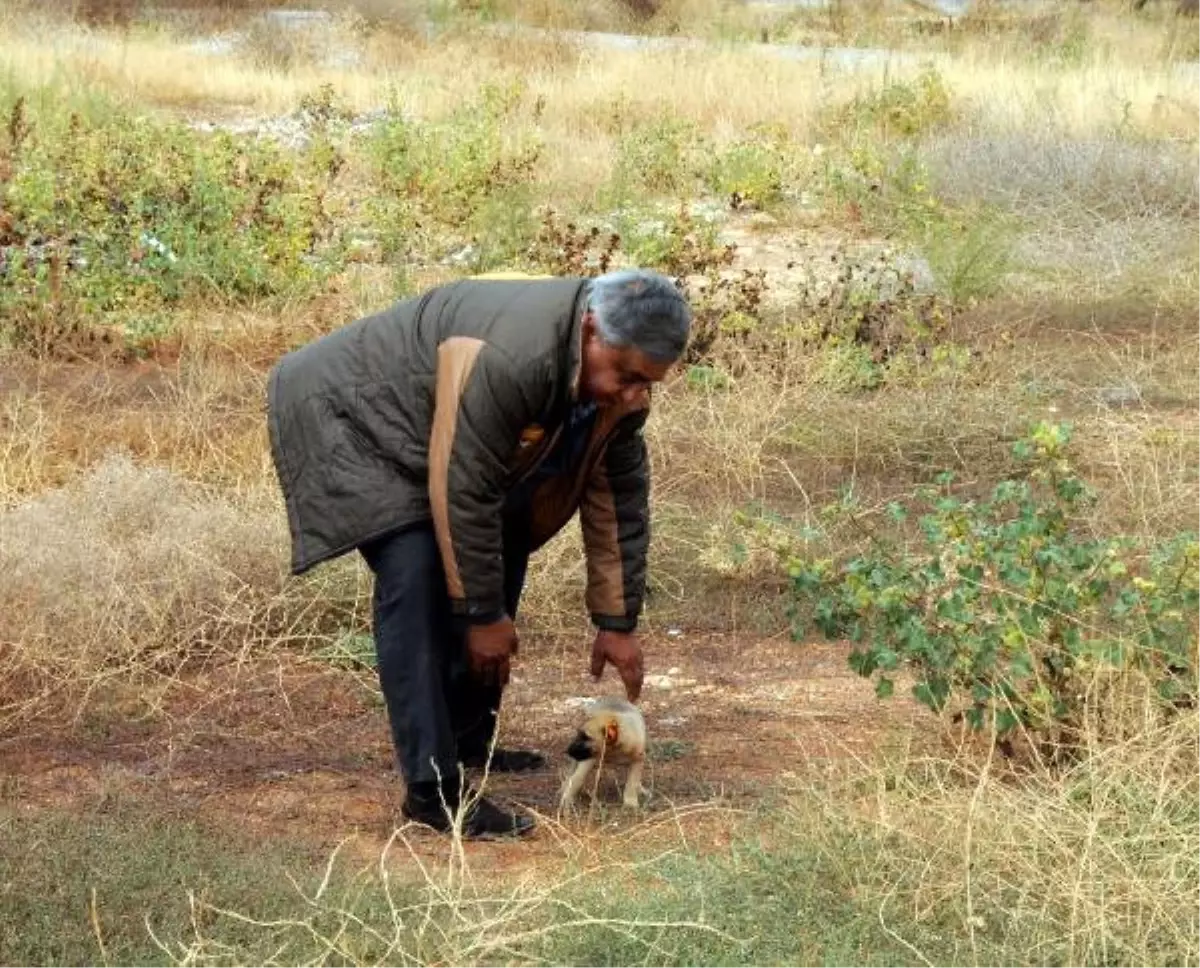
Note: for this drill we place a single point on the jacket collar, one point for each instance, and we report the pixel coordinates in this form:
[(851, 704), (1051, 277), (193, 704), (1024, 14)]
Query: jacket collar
[(575, 341)]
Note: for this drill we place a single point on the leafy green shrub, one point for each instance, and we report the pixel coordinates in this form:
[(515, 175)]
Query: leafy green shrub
[(900, 109), (752, 172), (109, 218), (1008, 610), (889, 191), (662, 157), (462, 179)]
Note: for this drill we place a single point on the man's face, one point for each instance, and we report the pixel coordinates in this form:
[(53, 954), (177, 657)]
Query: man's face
[(614, 375)]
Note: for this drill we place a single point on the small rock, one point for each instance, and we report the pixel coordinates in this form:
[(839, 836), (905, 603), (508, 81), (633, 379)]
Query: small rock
[(674, 671), (674, 633), (921, 272), (298, 18), (462, 256), (709, 211), (1121, 396), (660, 682)]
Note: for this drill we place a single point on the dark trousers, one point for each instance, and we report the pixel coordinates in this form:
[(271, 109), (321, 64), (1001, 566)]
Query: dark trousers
[(438, 713)]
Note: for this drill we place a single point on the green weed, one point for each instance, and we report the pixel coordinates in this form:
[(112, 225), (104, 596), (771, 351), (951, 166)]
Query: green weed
[(112, 219), (897, 110), (457, 182), (754, 171), (1009, 612), (662, 157)]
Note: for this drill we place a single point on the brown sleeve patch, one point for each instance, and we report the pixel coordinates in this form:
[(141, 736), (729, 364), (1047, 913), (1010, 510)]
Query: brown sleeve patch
[(598, 517), (456, 360)]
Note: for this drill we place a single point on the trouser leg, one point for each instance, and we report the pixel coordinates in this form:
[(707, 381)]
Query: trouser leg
[(474, 707), (414, 642)]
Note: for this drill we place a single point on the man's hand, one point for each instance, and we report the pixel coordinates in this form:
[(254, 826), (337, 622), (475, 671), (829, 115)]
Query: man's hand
[(624, 651), (490, 649)]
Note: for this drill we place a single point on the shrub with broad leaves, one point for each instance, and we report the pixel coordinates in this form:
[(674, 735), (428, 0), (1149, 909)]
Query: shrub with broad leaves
[(1005, 610)]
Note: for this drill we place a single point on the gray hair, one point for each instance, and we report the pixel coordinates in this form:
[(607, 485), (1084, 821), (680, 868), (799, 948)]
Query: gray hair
[(642, 309)]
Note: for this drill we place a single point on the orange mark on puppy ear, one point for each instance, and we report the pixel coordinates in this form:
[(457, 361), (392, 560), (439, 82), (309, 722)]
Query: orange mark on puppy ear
[(611, 732)]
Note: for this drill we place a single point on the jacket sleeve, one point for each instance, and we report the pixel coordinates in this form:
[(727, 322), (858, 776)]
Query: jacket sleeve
[(615, 517), (482, 403)]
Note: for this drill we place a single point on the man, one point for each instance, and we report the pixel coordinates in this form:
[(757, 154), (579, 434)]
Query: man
[(446, 439)]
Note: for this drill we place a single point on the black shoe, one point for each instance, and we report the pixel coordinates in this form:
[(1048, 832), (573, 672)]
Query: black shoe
[(483, 820), (506, 761)]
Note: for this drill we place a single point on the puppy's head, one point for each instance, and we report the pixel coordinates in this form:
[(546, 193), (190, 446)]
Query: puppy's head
[(599, 733)]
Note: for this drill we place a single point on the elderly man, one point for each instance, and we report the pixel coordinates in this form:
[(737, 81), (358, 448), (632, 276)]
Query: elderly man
[(446, 439)]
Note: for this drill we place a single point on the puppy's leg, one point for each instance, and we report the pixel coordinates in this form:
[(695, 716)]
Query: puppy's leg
[(575, 783), (633, 783)]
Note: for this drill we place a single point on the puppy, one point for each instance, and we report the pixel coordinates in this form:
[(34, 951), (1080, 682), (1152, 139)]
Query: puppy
[(615, 733)]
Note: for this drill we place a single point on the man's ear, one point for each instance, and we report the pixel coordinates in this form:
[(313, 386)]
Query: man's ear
[(611, 733)]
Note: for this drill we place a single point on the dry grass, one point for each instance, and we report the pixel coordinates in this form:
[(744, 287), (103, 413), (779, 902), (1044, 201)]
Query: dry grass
[(1039, 173), (715, 88), (130, 575), (141, 533), (915, 858), (423, 910), (1096, 865)]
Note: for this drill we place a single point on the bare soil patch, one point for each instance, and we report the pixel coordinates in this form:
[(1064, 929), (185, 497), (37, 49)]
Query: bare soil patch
[(299, 749)]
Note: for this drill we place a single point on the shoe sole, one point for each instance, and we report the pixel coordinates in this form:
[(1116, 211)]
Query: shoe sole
[(501, 835), (515, 834)]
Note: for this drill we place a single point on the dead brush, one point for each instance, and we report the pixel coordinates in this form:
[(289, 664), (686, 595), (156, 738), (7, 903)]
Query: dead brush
[(1095, 864), (566, 249), (877, 305), (726, 302), (135, 573)]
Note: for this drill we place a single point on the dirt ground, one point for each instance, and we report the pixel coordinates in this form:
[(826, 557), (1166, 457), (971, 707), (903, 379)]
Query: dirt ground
[(299, 749)]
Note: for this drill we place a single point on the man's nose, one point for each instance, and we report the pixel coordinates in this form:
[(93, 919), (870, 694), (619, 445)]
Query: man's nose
[(630, 394)]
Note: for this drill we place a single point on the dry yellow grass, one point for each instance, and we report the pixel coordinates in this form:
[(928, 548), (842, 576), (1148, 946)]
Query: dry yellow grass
[(1097, 864), (123, 571), (717, 90)]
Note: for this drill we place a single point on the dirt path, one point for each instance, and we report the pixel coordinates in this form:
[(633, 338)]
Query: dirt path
[(294, 749)]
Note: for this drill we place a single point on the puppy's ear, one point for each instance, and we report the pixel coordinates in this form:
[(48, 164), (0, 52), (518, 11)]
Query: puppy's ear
[(611, 733)]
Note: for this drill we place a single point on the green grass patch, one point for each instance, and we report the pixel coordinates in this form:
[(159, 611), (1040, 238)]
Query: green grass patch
[(113, 218), (912, 861), (85, 889)]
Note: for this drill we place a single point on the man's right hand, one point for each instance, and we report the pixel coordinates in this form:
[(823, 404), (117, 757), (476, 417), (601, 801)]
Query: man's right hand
[(490, 649)]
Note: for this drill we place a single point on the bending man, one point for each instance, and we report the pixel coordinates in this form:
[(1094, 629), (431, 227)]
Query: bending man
[(446, 439)]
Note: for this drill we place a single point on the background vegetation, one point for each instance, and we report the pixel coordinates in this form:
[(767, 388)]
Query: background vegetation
[(942, 402)]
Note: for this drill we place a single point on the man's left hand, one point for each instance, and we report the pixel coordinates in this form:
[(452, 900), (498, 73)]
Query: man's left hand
[(624, 651)]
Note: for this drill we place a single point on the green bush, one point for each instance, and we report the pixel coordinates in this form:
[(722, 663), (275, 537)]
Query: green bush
[(900, 109), (461, 180), (113, 219), (753, 171), (888, 190), (662, 157), (1007, 609)]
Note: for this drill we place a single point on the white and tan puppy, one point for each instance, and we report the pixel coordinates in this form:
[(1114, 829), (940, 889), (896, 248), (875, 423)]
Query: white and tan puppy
[(614, 733)]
